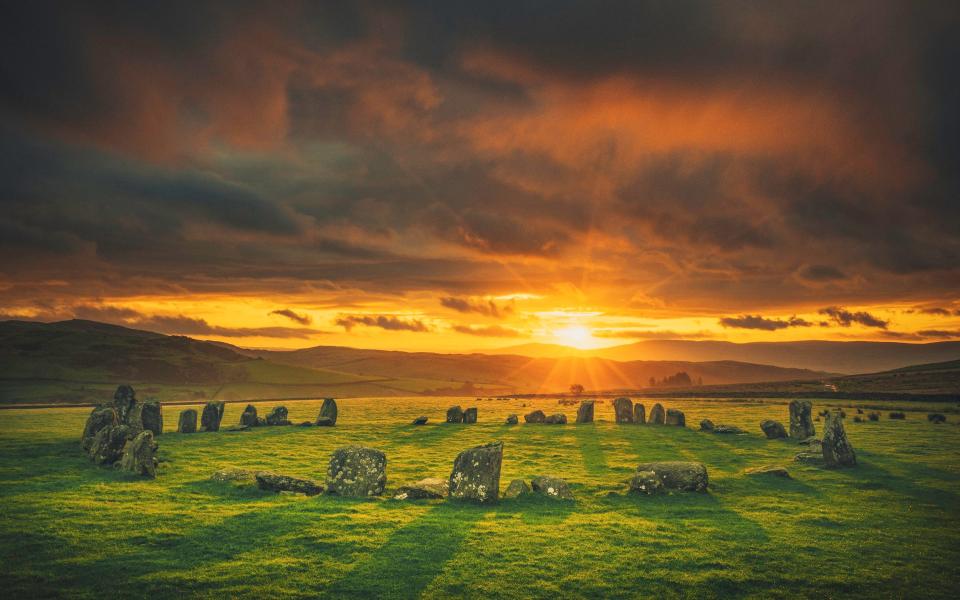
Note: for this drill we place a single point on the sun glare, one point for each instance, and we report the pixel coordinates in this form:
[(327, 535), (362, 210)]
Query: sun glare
[(576, 336)]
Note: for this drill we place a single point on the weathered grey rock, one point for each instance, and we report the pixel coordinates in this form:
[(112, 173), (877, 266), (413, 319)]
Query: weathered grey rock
[(551, 486), (874, 416), (235, 428), (774, 430), (139, 455), (470, 415), (150, 416), (623, 410), (517, 488), (211, 417), (676, 418), (768, 471), (937, 418), (585, 412), (324, 422), (858, 419), (100, 418), (305, 424), (249, 416), (124, 401), (425, 489), (476, 473), (898, 415), (646, 482), (801, 424), (679, 475), (727, 429), (278, 416), (421, 420), (536, 416), (187, 423), (273, 482), (706, 425), (454, 414), (357, 472), (328, 410), (231, 474), (639, 414), (556, 419), (810, 458), (837, 449), (512, 420), (658, 416), (107, 446)]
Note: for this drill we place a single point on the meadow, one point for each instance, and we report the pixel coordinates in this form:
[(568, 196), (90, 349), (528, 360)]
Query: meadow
[(888, 528)]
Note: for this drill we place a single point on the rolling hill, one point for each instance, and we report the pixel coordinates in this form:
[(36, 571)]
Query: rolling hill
[(82, 361)]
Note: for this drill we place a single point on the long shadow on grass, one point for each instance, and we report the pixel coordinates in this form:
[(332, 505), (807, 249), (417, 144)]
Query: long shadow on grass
[(591, 451), (869, 474)]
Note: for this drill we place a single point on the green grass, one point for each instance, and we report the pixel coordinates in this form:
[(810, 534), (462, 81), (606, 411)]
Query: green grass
[(888, 528)]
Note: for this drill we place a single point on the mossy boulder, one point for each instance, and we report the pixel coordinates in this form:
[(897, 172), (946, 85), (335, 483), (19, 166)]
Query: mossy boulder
[(675, 417), (100, 418), (278, 416), (356, 471), (470, 415), (686, 476), (536, 416), (187, 422), (454, 414), (139, 455), (706, 425), (774, 430), (585, 412), (552, 487), (275, 482), (768, 471), (249, 416), (421, 420), (517, 488), (476, 473), (556, 419)]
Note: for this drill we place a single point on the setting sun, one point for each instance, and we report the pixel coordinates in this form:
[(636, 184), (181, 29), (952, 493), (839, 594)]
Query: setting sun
[(576, 336)]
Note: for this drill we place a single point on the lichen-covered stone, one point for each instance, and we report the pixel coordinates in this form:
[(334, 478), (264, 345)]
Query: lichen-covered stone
[(727, 429), (706, 425), (278, 416), (639, 414), (658, 416), (936, 418), (801, 424), (328, 410), (536, 416), (421, 420), (551, 486), (585, 412), (837, 449), (249, 416), (454, 414), (623, 410), (425, 489), (357, 472), (187, 423), (470, 415), (476, 473), (768, 471), (645, 482), (107, 446), (512, 420), (139, 455), (232, 474), (774, 430), (124, 401), (517, 488), (675, 417), (810, 458), (149, 416), (684, 476), (556, 419), (100, 418), (211, 417), (274, 482)]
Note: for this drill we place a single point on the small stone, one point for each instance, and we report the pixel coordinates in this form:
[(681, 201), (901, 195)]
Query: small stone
[(536, 416), (100, 418), (557, 419), (476, 473), (249, 416), (679, 475), (328, 410), (324, 422), (305, 424), (936, 418), (421, 420), (429, 488), (517, 488), (470, 415), (357, 472), (139, 455), (512, 420), (676, 418), (898, 415), (273, 482), (658, 416), (585, 412), (187, 423), (278, 416), (728, 429), (227, 475), (769, 471), (706, 425), (810, 458), (645, 482), (107, 446), (874, 416), (774, 430), (552, 487), (454, 414), (623, 410)]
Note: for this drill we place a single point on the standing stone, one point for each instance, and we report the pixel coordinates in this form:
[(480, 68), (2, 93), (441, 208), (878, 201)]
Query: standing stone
[(139, 455), (536, 416), (678, 475), (551, 486), (249, 416), (357, 472), (454, 414), (623, 410), (107, 446), (557, 419), (187, 422), (706, 425), (476, 473), (100, 418), (212, 414), (676, 417), (470, 415), (585, 412), (801, 424), (512, 420), (150, 416), (328, 410), (517, 488), (421, 420), (837, 450), (774, 430), (278, 416), (124, 401), (639, 414), (657, 415)]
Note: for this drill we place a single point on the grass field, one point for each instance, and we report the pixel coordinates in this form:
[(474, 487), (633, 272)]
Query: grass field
[(888, 528)]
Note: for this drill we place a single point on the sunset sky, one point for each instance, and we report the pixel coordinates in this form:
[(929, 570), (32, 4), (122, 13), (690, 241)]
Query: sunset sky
[(457, 176)]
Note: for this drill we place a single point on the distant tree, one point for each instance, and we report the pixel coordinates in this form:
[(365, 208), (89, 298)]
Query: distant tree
[(576, 389), (699, 380), (653, 382)]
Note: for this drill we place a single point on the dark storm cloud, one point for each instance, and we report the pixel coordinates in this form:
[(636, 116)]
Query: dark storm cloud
[(846, 318), (487, 308), (293, 316), (391, 323), (820, 273), (765, 324)]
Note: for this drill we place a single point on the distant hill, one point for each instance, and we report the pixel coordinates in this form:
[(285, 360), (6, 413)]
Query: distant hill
[(83, 361), (842, 357)]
